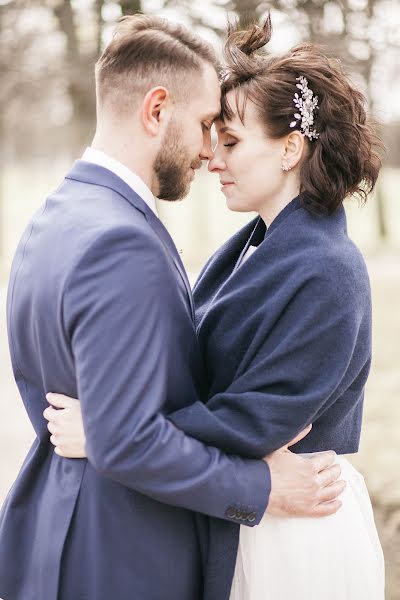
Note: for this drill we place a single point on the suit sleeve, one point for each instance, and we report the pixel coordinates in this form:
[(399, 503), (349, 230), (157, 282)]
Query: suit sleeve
[(296, 368), (115, 315)]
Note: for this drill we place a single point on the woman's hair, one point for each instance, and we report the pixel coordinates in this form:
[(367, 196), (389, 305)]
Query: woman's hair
[(344, 159)]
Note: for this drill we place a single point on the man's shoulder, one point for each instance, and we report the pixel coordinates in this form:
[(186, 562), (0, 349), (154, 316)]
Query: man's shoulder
[(85, 227), (93, 204), (80, 213)]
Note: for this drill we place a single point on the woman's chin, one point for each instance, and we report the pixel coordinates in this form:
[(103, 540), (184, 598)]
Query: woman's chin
[(236, 205)]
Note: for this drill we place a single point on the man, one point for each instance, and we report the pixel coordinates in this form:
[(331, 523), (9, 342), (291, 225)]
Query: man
[(100, 308)]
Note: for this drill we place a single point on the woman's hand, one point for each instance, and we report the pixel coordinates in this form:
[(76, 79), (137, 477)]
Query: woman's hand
[(65, 424)]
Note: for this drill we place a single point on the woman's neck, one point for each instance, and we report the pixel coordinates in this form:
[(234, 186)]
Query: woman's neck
[(273, 206)]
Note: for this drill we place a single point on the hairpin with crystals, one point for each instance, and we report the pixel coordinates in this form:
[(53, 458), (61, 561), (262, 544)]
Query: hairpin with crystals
[(306, 104)]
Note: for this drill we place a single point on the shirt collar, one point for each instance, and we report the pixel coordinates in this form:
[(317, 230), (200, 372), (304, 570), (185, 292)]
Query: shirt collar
[(137, 184)]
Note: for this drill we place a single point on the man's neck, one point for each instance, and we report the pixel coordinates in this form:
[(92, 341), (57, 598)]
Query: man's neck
[(127, 155)]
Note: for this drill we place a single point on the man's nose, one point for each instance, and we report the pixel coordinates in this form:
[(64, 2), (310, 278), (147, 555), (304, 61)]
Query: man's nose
[(206, 151)]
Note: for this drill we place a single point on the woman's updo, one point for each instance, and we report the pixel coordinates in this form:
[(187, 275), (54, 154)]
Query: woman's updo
[(344, 159)]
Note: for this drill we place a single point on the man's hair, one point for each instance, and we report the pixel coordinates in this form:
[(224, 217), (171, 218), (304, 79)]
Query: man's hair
[(147, 51)]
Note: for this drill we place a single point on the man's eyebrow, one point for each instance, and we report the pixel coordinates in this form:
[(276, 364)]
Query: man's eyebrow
[(212, 116), (226, 128)]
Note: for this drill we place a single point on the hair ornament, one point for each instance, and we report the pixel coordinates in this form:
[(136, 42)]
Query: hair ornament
[(224, 75), (306, 104)]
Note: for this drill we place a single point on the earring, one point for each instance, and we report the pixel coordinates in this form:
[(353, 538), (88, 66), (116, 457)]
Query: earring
[(285, 168)]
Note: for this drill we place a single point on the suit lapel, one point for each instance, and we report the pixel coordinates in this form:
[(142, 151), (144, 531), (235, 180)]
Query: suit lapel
[(90, 173), (166, 239)]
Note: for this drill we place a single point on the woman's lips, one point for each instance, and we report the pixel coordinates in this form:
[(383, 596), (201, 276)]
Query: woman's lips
[(226, 184)]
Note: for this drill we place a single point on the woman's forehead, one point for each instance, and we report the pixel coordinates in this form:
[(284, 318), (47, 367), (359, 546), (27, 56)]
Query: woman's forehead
[(241, 114)]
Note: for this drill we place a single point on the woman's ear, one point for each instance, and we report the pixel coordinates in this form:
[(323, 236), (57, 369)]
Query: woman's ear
[(155, 110), (294, 149)]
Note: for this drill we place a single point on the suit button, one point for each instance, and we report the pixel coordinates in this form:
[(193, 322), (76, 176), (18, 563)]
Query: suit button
[(251, 517), (241, 514), (231, 512)]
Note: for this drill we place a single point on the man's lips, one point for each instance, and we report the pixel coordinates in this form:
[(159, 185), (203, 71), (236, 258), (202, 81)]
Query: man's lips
[(193, 170)]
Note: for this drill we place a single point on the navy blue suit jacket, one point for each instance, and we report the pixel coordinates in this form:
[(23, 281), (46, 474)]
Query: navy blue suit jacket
[(286, 341), (99, 308)]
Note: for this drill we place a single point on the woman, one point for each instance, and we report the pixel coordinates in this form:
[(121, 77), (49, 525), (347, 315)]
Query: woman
[(283, 311)]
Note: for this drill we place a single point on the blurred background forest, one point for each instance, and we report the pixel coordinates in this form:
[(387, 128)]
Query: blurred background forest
[(47, 116)]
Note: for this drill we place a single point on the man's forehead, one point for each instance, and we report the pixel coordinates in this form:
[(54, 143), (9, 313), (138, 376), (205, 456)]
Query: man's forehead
[(213, 115), (207, 106), (207, 109), (207, 91)]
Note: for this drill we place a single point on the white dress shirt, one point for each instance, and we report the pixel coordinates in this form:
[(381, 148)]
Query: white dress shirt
[(249, 252), (137, 184)]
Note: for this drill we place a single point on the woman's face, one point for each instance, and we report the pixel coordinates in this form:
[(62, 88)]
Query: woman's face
[(247, 161)]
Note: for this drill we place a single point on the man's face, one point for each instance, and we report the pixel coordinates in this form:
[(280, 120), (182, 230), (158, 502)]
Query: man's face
[(187, 140)]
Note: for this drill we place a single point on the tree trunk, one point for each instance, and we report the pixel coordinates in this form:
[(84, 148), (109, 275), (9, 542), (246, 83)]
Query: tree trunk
[(2, 220), (80, 75), (130, 7), (247, 11), (379, 195), (98, 7), (381, 213)]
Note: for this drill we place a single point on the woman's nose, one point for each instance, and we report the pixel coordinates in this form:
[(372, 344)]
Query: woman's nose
[(216, 163)]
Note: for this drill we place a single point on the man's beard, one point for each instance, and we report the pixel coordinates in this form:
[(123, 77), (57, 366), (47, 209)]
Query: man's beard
[(172, 166)]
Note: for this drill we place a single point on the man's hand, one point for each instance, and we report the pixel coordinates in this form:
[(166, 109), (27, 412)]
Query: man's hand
[(303, 486)]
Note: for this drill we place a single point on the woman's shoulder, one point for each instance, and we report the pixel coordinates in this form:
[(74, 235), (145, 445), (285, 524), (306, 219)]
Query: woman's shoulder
[(317, 248), (323, 237)]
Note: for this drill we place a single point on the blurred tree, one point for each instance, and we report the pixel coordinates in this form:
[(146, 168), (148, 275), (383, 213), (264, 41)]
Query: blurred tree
[(78, 65), (130, 7), (14, 89), (77, 34), (246, 11)]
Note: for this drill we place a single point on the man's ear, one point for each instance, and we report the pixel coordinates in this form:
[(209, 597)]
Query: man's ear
[(294, 148), (155, 110)]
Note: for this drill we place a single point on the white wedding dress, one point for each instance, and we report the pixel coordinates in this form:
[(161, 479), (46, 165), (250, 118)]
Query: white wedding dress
[(338, 557)]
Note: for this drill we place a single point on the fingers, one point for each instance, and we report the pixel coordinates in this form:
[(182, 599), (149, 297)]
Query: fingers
[(331, 492), (329, 475), (300, 436), (60, 401), (322, 460), (50, 413), (51, 427), (324, 510)]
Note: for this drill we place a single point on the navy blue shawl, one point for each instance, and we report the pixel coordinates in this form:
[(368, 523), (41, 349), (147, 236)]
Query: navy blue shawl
[(286, 337)]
